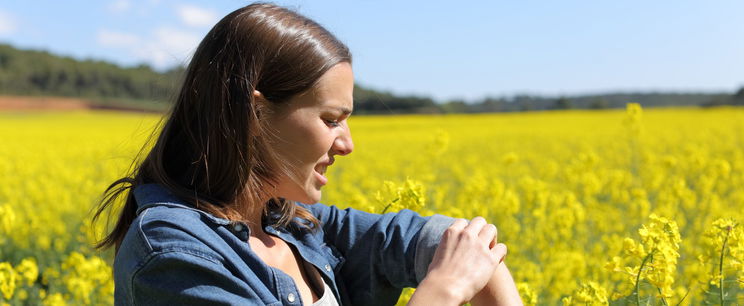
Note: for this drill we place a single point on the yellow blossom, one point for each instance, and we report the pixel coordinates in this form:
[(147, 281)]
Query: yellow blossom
[(655, 256), (409, 195), (84, 276), (529, 296), (7, 280), (55, 299), (28, 270), (590, 293), (564, 189)]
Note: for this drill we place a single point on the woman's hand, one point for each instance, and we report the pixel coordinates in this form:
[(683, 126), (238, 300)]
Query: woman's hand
[(463, 263)]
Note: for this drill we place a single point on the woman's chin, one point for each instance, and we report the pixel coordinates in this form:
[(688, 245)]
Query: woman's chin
[(313, 199), (308, 198)]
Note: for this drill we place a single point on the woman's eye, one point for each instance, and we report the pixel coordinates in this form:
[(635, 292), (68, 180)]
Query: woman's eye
[(332, 123)]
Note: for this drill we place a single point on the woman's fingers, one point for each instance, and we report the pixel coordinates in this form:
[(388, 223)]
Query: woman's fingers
[(499, 251), (474, 228), (458, 225), (488, 235), (455, 229), (466, 257)]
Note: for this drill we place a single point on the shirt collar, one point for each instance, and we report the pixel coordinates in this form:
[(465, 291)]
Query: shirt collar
[(154, 193), (149, 195)]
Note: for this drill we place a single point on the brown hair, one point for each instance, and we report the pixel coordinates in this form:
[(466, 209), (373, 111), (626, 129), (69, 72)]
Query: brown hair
[(214, 149)]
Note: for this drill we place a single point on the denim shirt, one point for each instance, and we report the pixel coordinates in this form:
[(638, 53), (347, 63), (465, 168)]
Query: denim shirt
[(174, 254)]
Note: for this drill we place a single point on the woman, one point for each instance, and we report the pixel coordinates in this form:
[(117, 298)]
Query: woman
[(213, 214)]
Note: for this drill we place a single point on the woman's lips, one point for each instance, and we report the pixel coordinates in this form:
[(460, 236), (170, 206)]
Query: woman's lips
[(320, 170), (321, 178)]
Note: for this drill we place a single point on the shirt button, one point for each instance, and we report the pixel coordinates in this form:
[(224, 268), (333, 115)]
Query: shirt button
[(328, 268), (291, 297), (238, 227)]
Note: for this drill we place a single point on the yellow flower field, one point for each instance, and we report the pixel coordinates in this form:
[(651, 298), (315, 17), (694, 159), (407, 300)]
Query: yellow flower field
[(622, 207)]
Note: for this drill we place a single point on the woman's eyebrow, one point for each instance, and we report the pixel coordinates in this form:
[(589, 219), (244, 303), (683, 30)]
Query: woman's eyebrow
[(346, 111), (343, 110)]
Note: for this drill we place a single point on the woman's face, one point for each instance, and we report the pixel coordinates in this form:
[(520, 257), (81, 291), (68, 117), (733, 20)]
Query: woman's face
[(311, 130)]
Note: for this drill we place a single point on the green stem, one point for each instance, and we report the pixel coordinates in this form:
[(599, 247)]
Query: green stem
[(663, 300), (720, 264), (684, 297), (389, 204), (638, 278)]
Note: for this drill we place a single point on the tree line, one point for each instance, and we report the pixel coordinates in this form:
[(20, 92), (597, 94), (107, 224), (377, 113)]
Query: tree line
[(33, 72)]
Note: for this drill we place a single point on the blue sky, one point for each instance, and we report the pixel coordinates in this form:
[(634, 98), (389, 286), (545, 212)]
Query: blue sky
[(442, 49)]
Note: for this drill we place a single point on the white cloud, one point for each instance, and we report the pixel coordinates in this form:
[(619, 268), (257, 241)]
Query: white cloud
[(163, 48), (196, 16), (119, 6), (109, 38), (176, 40), (168, 47), (7, 23)]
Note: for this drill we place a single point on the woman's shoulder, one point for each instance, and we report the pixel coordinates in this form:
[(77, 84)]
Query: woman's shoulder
[(166, 222), (177, 252), (168, 228), (172, 226)]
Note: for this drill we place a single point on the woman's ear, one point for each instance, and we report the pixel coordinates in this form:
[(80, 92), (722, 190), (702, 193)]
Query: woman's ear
[(260, 104), (259, 97)]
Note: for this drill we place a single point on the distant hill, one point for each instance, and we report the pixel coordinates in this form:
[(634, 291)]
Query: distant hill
[(40, 73), (602, 101), (106, 85)]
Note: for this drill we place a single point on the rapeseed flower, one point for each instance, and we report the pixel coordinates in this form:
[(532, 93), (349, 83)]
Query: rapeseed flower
[(590, 293), (656, 256), (8, 279), (563, 188), (394, 197), (529, 296), (28, 271)]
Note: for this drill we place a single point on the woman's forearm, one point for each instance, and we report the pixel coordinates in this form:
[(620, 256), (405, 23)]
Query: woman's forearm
[(463, 262), (500, 290), (432, 292)]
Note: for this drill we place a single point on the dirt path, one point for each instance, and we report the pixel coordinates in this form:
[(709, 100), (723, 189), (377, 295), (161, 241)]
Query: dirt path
[(42, 103), (24, 103)]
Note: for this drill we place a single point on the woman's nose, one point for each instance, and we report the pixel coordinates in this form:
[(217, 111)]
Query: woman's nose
[(343, 144)]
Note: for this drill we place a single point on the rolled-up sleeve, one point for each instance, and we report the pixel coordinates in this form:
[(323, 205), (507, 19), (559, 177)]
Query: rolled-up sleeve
[(383, 253), (428, 241)]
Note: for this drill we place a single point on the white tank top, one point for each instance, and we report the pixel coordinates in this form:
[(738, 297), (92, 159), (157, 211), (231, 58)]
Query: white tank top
[(327, 299)]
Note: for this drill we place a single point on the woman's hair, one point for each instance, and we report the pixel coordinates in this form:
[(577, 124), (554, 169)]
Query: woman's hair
[(214, 150)]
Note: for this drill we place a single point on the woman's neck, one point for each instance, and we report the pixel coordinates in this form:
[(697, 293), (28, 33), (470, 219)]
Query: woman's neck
[(252, 213)]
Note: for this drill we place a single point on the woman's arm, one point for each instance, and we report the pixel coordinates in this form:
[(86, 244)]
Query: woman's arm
[(500, 290), (465, 261), (398, 246), (382, 254), (395, 250)]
